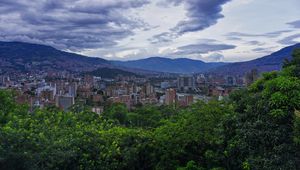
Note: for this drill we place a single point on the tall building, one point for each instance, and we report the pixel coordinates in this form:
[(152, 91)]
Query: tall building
[(5, 81), (185, 83), (189, 99), (201, 79), (170, 97), (73, 89), (47, 95), (230, 80), (149, 89), (47, 92), (251, 76), (65, 102), (1, 80), (185, 100)]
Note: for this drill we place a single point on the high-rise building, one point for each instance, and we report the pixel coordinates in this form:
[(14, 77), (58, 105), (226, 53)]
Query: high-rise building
[(170, 97), (149, 89), (251, 76), (6, 81), (185, 83), (73, 89), (65, 102), (201, 79), (1, 80), (185, 100), (47, 95), (46, 92), (230, 80), (189, 99)]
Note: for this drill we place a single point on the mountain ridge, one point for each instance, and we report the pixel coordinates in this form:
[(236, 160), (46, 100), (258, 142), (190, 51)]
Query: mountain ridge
[(163, 64), (27, 56), (20, 56), (272, 62)]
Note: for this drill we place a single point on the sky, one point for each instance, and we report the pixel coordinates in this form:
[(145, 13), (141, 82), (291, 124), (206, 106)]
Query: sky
[(208, 30)]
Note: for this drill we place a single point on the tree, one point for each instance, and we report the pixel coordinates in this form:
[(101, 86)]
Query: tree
[(294, 64), (117, 112), (265, 122), (194, 135)]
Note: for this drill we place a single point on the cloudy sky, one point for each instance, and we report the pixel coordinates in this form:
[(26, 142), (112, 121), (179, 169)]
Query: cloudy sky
[(209, 30)]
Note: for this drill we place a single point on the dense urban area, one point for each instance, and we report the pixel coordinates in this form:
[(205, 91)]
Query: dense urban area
[(66, 90)]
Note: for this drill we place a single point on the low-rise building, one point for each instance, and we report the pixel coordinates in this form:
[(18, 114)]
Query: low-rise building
[(99, 110)]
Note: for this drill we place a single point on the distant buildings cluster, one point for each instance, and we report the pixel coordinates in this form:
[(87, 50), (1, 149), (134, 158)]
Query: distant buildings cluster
[(66, 90)]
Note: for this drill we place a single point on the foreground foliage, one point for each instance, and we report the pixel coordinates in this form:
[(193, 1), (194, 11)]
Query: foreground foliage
[(256, 128)]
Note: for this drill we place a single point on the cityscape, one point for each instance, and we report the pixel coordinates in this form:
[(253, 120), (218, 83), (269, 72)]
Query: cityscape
[(149, 85), (64, 89)]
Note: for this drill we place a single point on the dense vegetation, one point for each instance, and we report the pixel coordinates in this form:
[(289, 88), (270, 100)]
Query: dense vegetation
[(256, 128)]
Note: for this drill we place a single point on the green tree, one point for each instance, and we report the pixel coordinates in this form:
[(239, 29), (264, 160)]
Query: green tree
[(117, 112), (196, 134), (265, 122), (294, 64)]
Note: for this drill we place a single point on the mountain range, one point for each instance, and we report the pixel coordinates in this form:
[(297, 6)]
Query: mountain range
[(19, 56), (178, 65), (267, 63), (183, 65)]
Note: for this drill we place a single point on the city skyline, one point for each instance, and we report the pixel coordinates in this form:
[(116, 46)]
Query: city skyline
[(224, 30)]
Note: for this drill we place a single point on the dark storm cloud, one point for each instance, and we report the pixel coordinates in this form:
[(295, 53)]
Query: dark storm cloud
[(290, 40), (268, 34), (68, 24), (295, 24), (202, 48), (106, 6), (201, 14)]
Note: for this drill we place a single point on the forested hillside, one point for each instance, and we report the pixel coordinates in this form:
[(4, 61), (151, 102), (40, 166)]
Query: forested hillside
[(178, 65), (255, 128), (20, 56)]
